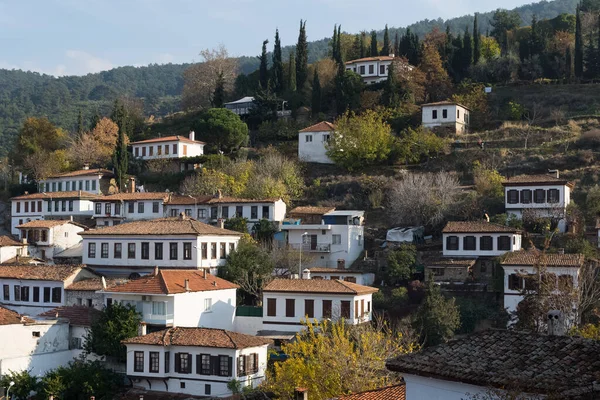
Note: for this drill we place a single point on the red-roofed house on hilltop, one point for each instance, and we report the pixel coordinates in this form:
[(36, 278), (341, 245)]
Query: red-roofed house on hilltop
[(312, 142), (95, 181), (446, 114), (50, 237), (375, 69), (168, 147)]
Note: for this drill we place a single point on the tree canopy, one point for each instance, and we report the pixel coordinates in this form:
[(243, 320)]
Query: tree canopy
[(222, 129)]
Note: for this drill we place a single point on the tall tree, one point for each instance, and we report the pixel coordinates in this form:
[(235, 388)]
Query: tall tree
[(80, 125), (437, 83), (363, 41), (316, 94), (396, 44), (356, 48), (222, 128), (568, 63), (374, 50), (467, 52), (218, 98), (301, 57), (263, 70), (334, 41), (502, 22), (578, 58), (338, 44), (277, 65), (292, 73), (390, 90), (121, 157), (386, 50), (476, 41)]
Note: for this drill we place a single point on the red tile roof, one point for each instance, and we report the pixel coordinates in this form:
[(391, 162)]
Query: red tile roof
[(9, 317), (49, 223), (535, 258), (322, 126), (540, 179), (317, 286), (39, 272), (8, 241), (84, 172), (93, 284), (366, 59), (77, 315), (477, 227), (445, 103), (446, 262), (169, 139), (335, 271), (73, 194), (396, 392), (162, 226), (311, 210), (136, 196), (186, 200), (201, 337), (225, 199), (173, 282)]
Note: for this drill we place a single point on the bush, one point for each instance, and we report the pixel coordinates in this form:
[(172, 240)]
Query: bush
[(472, 311), (379, 301), (400, 296), (589, 140)]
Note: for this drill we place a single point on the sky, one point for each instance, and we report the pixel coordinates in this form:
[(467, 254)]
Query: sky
[(76, 37)]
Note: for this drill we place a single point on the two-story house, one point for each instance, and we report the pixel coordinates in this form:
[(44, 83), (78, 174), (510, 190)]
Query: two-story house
[(539, 196), (375, 69), (125, 207), (312, 142), (32, 289), (188, 298), (10, 249), (288, 302), (95, 181), (198, 361), (135, 248), (168, 147), (446, 114), (331, 236), (49, 237), (89, 292)]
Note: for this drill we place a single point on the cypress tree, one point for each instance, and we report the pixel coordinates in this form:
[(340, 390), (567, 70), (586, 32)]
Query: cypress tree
[(386, 50), (301, 57), (537, 44), (396, 45), (390, 90), (120, 156), (80, 127), (578, 58), (338, 44), (334, 44), (356, 47), (263, 71), (363, 48), (277, 65), (591, 59), (292, 73), (568, 63), (316, 94), (95, 119), (374, 52), (467, 53), (476, 42), (219, 94)]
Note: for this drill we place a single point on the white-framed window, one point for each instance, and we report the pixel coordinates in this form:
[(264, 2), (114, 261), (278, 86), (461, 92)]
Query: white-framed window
[(326, 137), (308, 138), (159, 308), (336, 239), (207, 304)]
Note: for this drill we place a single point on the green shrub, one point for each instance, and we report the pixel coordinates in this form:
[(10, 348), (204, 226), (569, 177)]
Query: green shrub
[(400, 296)]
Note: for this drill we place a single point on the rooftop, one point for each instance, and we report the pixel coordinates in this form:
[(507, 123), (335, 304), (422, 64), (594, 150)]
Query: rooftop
[(83, 172), (162, 226), (73, 194), (448, 262), (93, 284), (226, 199), (187, 200), (38, 272), (345, 212), (169, 139), (317, 286), (540, 179), (477, 227), (49, 223), (9, 317), (396, 392), (322, 126), (136, 196), (247, 99), (77, 315), (8, 241), (377, 58), (324, 270), (202, 337), (534, 258), (173, 282), (445, 103), (532, 363), (311, 210)]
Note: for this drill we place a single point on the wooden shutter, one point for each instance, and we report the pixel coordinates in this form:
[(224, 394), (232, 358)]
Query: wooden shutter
[(271, 307), (230, 366), (198, 364), (246, 369), (177, 362), (290, 308), (309, 308), (355, 309), (255, 355), (214, 365), (239, 367), (326, 308)]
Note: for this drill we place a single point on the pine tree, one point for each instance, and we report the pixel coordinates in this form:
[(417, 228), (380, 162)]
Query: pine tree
[(390, 90), (476, 42), (292, 73), (386, 50), (363, 41), (277, 65), (467, 52), (374, 51), (263, 70), (218, 98), (568, 63), (578, 58), (301, 57), (80, 127), (537, 42), (316, 94), (334, 41), (356, 47)]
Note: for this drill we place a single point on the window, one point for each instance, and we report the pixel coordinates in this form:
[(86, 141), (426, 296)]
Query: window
[(434, 114), (36, 294), (131, 250), (553, 195), (503, 242), (231, 247), (327, 308), (36, 333), (469, 243), (92, 250), (39, 206), (539, 196), (223, 251), (239, 211), (98, 208), (182, 363), (336, 239), (181, 384), (154, 360), (118, 249), (486, 243), (45, 235), (19, 206), (158, 251), (371, 69), (60, 186), (145, 251), (70, 205), (87, 186), (452, 243), (118, 209), (326, 137), (224, 368), (290, 308), (356, 309), (17, 292), (308, 138), (140, 207), (155, 207), (187, 251), (512, 196), (144, 151), (80, 185), (225, 212), (565, 282), (530, 283), (56, 294), (457, 114), (203, 367), (213, 250), (444, 113), (241, 366), (167, 353), (159, 149), (207, 305), (252, 363), (138, 361), (362, 69), (207, 390), (54, 186), (173, 251), (103, 250), (345, 309), (204, 248), (56, 203), (174, 212), (265, 212), (46, 295), (213, 213), (382, 70), (159, 308), (515, 282), (201, 213), (89, 302), (131, 207), (309, 308), (175, 149), (271, 307), (63, 205), (33, 206), (93, 185), (24, 293), (166, 149), (254, 212)]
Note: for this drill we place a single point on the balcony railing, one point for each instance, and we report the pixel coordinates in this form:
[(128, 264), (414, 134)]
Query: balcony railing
[(157, 318), (315, 248)]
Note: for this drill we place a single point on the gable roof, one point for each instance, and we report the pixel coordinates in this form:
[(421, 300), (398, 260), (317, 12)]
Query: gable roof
[(162, 226), (136, 196), (311, 210), (532, 258), (94, 284), (177, 199), (539, 179), (49, 223), (83, 172), (395, 392), (376, 58), (317, 286), (6, 240), (226, 199), (201, 337), (477, 227), (176, 138), (531, 363), (9, 317), (335, 271), (77, 315), (72, 194), (173, 282), (39, 272), (322, 126), (445, 103)]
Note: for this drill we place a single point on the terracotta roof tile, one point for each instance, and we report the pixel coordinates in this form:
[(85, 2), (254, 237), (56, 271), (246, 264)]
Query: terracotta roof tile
[(311, 210), (322, 126), (177, 199), (83, 172), (93, 284), (77, 315), (49, 223), (38, 272), (317, 286), (532, 258), (202, 337), (169, 139), (137, 393), (173, 282), (540, 179), (9, 317), (162, 226), (476, 227), (335, 271), (73, 194), (531, 363), (217, 200), (135, 196), (378, 58), (445, 103), (396, 392), (8, 241), (448, 262)]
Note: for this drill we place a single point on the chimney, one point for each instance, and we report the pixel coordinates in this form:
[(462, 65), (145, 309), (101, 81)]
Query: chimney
[(341, 263), (204, 273), (556, 323), (221, 223), (186, 284), (26, 192), (306, 274), (215, 283), (131, 184), (192, 135), (86, 166), (104, 283), (392, 55), (182, 215), (24, 241), (80, 193), (555, 172), (156, 270), (71, 218), (301, 394), (487, 217), (219, 194)]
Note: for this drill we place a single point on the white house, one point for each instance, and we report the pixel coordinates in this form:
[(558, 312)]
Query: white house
[(135, 248), (10, 249), (80, 319), (287, 302), (348, 275), (561, 269), (33, 289), (312, 142), (196, 361), (55, 205), (330, 236), (375, 69), (95, 181), (187, 298), (88, 292), (241, 106), (453, 116), (538, 196), (485, 364), (473, 239), (49, 237), (125, 207), (168, 147)]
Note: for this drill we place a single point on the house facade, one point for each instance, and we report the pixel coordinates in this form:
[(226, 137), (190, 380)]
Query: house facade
[(538, 196), (312, 143), (348, 275), (241, 106), (125, 207), (288, 302), (374, 69), (95, 181), (168, 147), (89, 292), (135, 248), (196, 361), (10, 249), (474, 239), (185, 298), (49, 237), (446, 114)]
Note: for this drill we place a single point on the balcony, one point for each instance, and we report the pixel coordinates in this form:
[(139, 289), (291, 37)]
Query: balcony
[(313, 248), (160, 319)]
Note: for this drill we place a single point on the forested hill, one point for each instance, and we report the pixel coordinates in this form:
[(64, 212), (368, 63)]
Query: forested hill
[(24, 94)]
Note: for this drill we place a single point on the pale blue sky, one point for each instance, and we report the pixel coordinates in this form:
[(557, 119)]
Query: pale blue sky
[(66, 37)]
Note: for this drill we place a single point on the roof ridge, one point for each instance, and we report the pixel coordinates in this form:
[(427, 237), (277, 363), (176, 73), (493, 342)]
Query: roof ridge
[(227, 333), (162, 281)]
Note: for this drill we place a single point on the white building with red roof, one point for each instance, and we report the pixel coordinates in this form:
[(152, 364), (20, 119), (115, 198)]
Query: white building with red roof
[(126, 207), (49, 237), (168, 147), (95, 181), (374, 69), (312, 142), (447, 114), (10, 248)]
